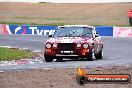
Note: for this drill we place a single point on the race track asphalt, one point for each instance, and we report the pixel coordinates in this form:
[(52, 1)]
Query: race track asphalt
[(117, 52)]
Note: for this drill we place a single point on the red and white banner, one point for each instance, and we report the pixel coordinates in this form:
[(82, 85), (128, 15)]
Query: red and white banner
[(47, 30), (122, 31), (4, 29), (1, 29)]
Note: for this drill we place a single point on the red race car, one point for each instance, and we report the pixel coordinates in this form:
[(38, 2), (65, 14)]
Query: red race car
[(74, 41), (130, 16)]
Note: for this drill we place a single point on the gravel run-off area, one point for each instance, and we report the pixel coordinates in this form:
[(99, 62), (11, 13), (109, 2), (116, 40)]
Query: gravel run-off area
[(59, 78)]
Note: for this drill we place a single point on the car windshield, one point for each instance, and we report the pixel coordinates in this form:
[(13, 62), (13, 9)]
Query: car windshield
[(73, 32)]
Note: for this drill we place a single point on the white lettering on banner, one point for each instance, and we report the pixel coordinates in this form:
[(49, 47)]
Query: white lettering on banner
[(39, 32), (46, 31), (17, 29), (51, 32), (33, 29), (8, 29)]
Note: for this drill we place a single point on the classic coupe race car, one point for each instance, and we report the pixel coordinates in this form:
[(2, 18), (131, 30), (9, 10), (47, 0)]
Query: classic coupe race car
[(74, 41)]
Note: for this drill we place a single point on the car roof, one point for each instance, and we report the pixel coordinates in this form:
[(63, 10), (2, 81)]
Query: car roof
[(77, 26), (92, 27)]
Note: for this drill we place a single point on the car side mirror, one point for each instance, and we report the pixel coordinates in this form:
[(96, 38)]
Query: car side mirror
[(50, 35), (96, 35)]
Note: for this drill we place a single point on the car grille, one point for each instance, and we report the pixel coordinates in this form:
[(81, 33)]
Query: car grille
[(66, 46)]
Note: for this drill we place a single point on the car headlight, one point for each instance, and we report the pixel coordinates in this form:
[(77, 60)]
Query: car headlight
[(48, 45), (54, 45), (78, 45), (85, 45)]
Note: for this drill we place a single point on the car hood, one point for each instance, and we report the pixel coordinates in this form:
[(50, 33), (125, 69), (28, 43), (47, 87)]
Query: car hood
[(69, 40)]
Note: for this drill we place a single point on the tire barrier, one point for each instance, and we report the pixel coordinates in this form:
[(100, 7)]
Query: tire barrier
[(105, 30)]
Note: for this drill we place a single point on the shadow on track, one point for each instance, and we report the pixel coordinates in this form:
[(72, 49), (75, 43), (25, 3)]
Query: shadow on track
[(69, 60)]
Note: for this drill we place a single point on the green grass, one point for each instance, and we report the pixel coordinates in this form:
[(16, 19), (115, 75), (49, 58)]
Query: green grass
[(34, 17), (25, 17), (7, 54), (54, 18), (56, 24)]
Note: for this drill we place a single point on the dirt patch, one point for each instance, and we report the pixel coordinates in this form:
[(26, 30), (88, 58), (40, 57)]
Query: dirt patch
[(46, 13), (58, 78)]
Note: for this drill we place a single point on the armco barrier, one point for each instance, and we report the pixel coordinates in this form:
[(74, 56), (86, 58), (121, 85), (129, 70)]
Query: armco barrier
[(1, 29), (47, 30), (122, 31), (105, 30), (26, 29)]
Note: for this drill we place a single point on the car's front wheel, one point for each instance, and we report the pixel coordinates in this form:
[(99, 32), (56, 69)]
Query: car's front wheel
[(48, 59), (130, 21), (99, 55), (90, 57)]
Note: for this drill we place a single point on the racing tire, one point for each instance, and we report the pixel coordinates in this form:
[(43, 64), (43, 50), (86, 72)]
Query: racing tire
[(90, 56), (130, 21), (99, 55), (48, 59)]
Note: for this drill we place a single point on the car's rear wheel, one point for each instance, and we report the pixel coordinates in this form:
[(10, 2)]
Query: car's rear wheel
[(90, 57), (99, 55), (48, 59)]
